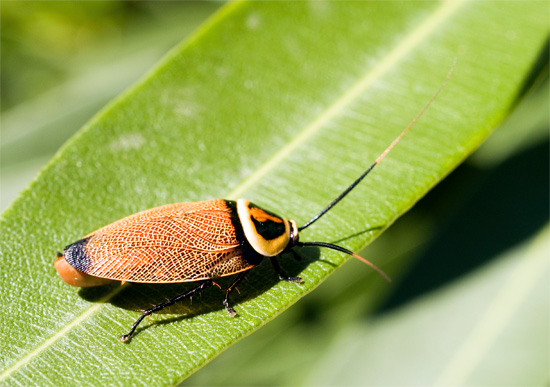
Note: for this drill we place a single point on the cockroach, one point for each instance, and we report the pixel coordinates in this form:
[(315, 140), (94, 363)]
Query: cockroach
[(195, 242)]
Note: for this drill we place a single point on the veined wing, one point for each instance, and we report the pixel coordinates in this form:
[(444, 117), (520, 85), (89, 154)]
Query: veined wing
[(173, 243)]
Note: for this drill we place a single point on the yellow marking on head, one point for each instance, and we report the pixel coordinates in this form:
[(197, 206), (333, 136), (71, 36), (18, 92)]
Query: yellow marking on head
[(266, 247)]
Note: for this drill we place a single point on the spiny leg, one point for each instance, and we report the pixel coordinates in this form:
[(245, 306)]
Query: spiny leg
[(283, 277), (229, 309), (158, 307)]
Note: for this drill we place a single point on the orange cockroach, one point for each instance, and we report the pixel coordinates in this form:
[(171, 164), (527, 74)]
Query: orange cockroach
[(198, 241)]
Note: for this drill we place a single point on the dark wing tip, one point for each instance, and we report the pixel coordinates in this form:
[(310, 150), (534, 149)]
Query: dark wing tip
[(76, 255)]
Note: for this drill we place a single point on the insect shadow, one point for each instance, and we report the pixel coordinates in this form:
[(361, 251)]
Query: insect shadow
[(138, 297)]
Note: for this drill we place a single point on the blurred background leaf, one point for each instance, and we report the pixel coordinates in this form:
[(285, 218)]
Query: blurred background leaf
[(479, 234), (62, 61)]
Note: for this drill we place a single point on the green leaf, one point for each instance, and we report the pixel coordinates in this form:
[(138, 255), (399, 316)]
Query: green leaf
[(282, 103)]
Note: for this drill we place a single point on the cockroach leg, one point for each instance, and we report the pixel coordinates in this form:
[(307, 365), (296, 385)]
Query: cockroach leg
[(283, 277), (158, 307), (228, 307)]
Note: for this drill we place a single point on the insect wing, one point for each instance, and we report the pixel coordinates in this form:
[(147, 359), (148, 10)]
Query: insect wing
[(172, 243)]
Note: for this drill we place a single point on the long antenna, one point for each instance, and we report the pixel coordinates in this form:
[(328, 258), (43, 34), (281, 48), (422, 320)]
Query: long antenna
[(381, 157), (343, 250)]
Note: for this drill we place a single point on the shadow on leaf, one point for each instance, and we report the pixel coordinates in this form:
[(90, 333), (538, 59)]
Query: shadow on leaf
[(138, 297)]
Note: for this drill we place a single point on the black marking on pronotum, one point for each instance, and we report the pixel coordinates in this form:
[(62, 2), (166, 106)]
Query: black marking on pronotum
[(269, 229)]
